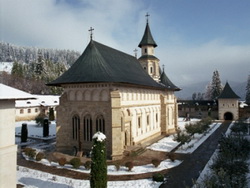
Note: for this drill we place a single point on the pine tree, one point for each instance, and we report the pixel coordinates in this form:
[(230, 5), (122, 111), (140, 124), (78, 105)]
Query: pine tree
[(98, 174), (208, 92), (216, 86), (248, 91)]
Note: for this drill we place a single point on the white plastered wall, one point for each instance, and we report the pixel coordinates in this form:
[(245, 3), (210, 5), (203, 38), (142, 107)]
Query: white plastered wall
[(8, 148)]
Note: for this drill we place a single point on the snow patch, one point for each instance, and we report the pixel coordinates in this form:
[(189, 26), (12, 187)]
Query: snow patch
[(100, 137)]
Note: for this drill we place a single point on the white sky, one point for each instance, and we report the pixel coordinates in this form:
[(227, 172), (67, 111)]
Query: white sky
[(194, 37)]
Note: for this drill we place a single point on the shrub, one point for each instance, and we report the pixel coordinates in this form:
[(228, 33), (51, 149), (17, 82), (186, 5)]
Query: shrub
[(87, 165), (129, 165), (51, 114), (75, 162), (62, 161), (239, 127), (117, 166), (40, 156), (156, 162), (98, 173), (234, 147), (31, 153), (24, 132), (182, 137), (39, 119), (172, 156), (158, 177)]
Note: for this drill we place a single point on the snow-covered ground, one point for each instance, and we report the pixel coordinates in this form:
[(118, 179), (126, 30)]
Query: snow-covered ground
[(167, 144), (35, 131), (35, 178)]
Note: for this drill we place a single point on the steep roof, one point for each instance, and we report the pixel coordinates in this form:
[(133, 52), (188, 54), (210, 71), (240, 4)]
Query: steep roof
[(167, 83), (228, 93), (147, 38), (100, 63)]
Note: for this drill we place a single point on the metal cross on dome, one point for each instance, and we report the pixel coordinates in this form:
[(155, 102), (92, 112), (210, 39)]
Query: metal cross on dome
[(147, 15), (91, 32)]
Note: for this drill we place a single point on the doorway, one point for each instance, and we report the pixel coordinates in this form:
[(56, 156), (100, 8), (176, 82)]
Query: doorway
[(228, 116)]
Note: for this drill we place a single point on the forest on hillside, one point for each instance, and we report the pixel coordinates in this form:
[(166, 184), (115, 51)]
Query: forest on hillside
[(11, 53), (34, 67)]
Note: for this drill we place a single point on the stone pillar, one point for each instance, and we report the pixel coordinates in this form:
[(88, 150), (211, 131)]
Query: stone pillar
[(117, 142), (163, 116)]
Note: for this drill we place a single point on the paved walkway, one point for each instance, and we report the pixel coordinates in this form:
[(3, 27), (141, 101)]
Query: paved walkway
[(189, 170)]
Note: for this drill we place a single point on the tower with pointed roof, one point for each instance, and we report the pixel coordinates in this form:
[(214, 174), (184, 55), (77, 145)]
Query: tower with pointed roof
[(228, 104), (149, 62)]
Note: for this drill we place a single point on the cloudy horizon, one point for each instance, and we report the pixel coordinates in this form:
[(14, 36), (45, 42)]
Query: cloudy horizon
[(194, 37)]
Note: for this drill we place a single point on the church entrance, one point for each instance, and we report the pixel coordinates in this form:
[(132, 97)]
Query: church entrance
[(228, 116)]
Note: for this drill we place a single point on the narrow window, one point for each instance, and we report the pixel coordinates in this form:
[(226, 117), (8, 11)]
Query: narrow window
[(87, 128), (21, 111), (147, 119), (151, 70), (145, 50), (29, 110), (156, 117), (139, 122), (75, 127), (100, 124)]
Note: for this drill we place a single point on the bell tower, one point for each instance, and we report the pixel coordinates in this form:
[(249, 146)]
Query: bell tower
[(149, 62)]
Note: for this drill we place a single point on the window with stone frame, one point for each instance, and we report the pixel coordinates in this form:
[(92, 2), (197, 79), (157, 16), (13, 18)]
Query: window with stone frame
[(75, 127), (147, 120), (139, 122), (100, 124), (87, 128)]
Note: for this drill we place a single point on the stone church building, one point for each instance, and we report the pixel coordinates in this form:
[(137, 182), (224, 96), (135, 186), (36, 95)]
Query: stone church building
[(130, 100)]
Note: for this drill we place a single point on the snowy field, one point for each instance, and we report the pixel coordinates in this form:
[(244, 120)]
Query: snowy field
[(35, 178)]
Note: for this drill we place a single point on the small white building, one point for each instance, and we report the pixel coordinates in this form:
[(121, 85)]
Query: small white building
[(8, 149), (228, 104), (30, 109)]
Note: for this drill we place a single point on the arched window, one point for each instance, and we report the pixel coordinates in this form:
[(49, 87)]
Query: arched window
[(151, 70), (100, 124), (75, 126), (87, 128)]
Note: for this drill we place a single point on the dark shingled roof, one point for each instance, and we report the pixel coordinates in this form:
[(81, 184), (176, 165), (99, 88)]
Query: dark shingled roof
[(228, 93), (100, 63), (167, 83), (147, 38)]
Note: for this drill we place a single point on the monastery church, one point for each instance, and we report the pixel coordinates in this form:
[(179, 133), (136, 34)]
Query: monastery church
[(130, 100)]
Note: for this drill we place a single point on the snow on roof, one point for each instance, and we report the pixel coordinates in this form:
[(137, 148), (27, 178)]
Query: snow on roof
[(6, 66), (41, 100), (100, 137), (7, 92)]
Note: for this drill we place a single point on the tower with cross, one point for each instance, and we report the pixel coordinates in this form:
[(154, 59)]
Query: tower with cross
[(149, 62)]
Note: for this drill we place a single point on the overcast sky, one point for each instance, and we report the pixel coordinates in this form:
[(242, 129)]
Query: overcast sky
[(194, 37)]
